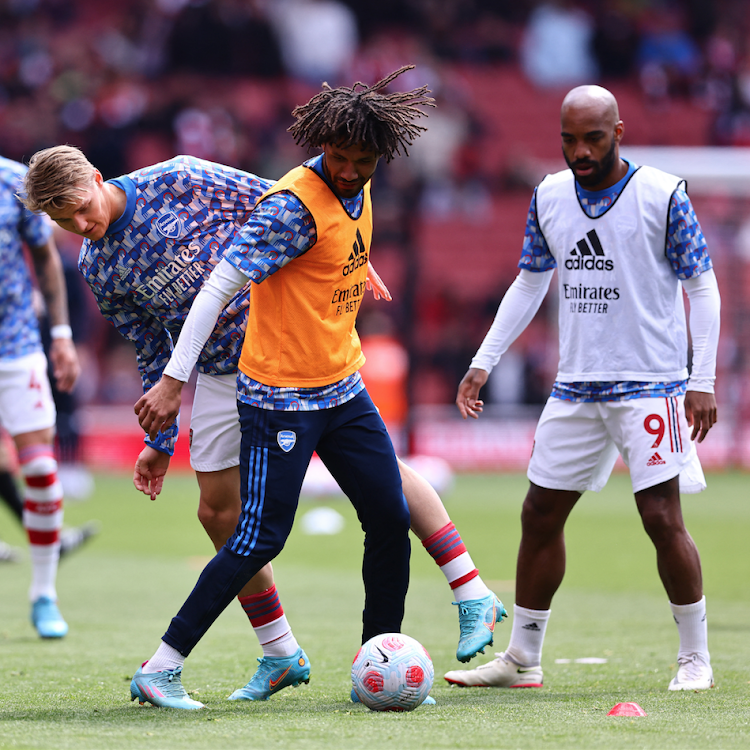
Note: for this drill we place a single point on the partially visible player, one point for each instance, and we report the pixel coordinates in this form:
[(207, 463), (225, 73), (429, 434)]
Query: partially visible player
[(71, 538), (625, 241), (27, 410), (151, 239), (9, 493)]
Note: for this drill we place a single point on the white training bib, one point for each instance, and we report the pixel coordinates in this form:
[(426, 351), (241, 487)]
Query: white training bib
[(621, 312)]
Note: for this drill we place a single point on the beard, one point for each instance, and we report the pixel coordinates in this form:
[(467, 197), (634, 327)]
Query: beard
[(601, 169)]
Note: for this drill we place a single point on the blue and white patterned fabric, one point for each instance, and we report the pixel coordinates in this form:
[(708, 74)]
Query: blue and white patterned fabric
[(686, 250), (279, 230), (180, 218), (19, 328), (254, 393)]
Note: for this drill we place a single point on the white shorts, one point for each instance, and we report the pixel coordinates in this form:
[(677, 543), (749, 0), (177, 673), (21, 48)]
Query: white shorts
[(215, 424), (26, 403), (576, 444)]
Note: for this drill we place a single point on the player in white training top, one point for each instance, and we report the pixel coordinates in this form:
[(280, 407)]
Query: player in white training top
[(625, 241)]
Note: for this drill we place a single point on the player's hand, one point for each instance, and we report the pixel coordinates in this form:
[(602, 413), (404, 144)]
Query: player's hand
[(65, 365), (700, 410), (375, 284), (467, 400), (150, 470), (158, 408)]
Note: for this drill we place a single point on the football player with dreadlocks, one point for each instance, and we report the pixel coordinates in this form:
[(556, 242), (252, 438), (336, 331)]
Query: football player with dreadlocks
[(305, 248)]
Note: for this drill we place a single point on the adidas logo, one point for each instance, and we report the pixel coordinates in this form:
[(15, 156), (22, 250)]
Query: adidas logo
[(589, 257), (655, 460), (358, 247), (357, 257), (531, 626)]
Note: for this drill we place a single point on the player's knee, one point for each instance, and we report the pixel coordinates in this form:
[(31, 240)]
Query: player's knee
[(217, 519), (661, 522), (389, 520), (400, 517), (539, 519)]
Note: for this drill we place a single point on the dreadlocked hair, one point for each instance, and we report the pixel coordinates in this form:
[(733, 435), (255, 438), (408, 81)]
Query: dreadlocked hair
[(360, 115)]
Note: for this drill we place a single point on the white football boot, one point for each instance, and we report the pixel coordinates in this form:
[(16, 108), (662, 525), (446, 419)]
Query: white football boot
[(693, 673), (500, 673)]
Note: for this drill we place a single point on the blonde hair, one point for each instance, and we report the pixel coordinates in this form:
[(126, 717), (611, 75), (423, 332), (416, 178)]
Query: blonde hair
[(56, 178)]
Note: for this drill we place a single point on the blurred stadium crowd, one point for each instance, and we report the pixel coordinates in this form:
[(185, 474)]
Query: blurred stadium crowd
[(138, 81)]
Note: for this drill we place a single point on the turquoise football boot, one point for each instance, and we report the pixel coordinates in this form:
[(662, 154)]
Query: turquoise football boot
[(274, 674), (47, 619), (163, 689), (477, 619)]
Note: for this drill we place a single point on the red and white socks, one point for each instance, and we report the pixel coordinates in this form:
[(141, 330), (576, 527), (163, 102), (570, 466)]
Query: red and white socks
[(269, 622), (448, 550), (42, 517)]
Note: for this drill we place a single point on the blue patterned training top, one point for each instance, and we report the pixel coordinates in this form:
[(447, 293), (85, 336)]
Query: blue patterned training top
[(181, 217), (19, 331)]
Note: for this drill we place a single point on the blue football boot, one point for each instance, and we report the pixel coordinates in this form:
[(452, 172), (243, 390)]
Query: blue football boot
[(477, 618), (163, 689), (47, 619), (274, 674)]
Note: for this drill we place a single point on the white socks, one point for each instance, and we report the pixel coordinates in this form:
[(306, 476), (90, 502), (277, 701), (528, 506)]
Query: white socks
[(692, 628), (165, 657), (530, 625), (527, 636), (44, 559)]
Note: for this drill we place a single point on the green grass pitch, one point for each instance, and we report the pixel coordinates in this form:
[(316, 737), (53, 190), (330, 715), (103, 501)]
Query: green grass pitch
[(119, 593)]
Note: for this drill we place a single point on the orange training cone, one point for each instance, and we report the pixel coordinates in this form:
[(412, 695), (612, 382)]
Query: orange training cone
[(627, 709)]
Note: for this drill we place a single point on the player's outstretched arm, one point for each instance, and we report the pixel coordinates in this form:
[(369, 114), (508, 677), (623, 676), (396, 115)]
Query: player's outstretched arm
[(376, 285), (700, 410), (150, 470), (158, 408), (467, 399)]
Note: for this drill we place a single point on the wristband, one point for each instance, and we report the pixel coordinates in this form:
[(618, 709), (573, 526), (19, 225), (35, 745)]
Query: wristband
[(62, 331)]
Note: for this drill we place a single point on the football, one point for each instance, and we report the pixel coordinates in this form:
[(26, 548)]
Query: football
[(392, 672)]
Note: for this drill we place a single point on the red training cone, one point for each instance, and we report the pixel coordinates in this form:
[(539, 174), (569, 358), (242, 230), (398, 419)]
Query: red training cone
[(627, 709)]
